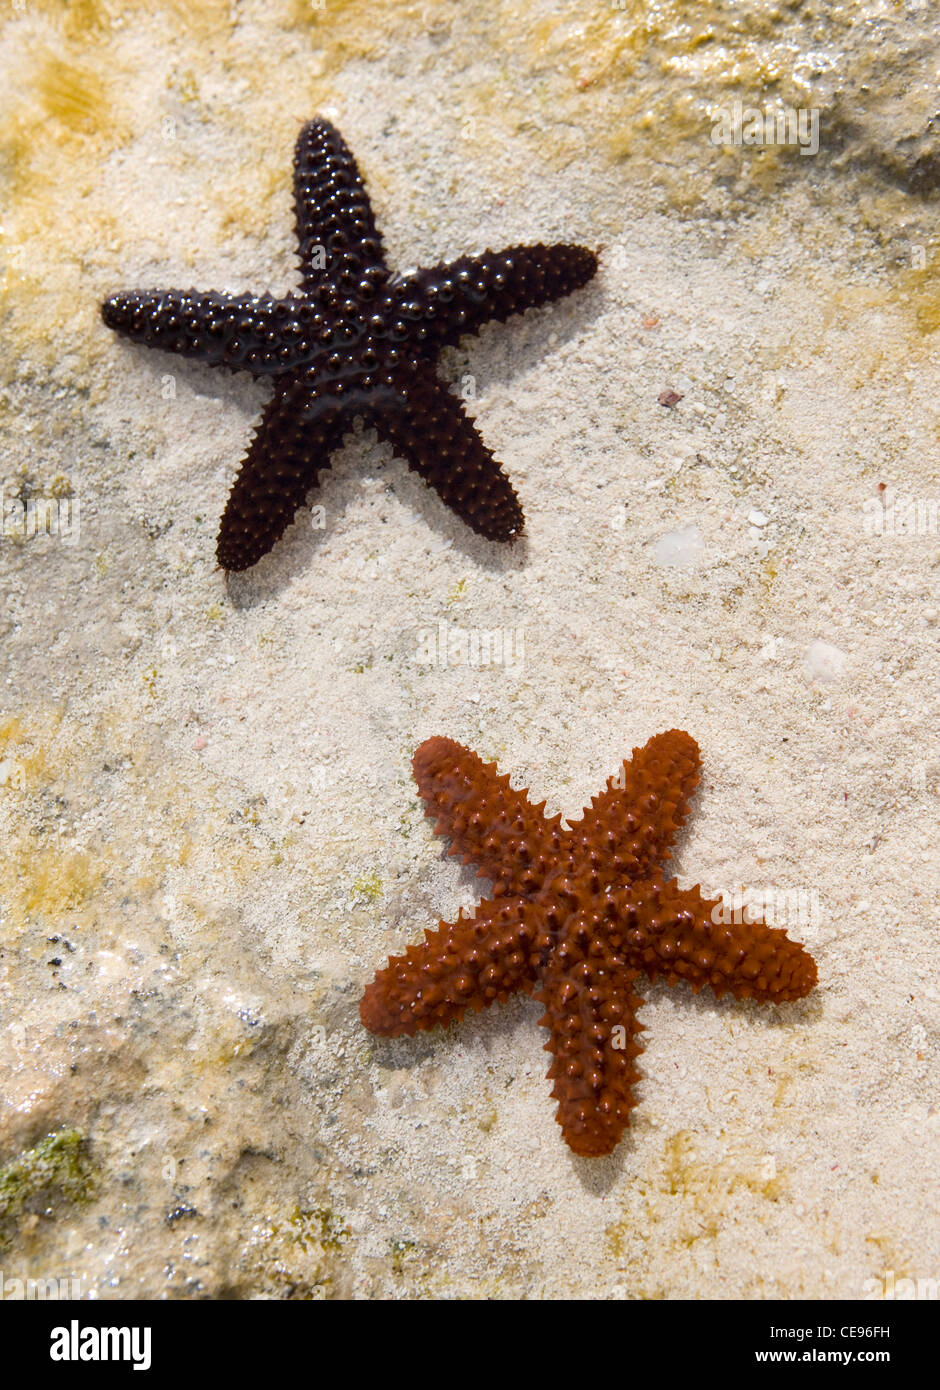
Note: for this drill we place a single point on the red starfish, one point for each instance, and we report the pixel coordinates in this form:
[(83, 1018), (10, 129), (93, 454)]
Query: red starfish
[(576, 915)]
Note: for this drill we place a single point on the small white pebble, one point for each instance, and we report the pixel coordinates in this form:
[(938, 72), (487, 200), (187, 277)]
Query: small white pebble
[(824, 662), (680, 548), (757, 518)]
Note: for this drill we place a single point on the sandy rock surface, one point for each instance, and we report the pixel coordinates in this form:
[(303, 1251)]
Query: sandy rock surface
[(210, 836)]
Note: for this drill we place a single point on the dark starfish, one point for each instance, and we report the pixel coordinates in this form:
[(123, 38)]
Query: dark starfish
[(355, 340), (576, 916)]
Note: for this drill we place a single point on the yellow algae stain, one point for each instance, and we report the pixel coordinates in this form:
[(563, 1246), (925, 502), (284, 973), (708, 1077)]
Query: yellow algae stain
[(247, 203), (679, 39), (646, 77), (54, 882), (23, 751), (704, 1188), (54, 127), (889, 319), (345, 29), (768, 573), (894, 1264), (72, 94), (922, 283), (45, 876), (60, 101), (77, 20), (72, 99), (11, 730), (707, 1182), (44, 765), (90, 20), (600, 45), (927, 313), (210, 19)]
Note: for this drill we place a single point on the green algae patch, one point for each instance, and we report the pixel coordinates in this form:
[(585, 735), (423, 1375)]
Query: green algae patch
[(59, 1164), (319, 1226), (368, 887), (400, 1250)]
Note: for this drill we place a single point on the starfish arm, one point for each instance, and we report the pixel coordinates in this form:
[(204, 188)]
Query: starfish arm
[(590, 1012), (221, 329), (490, 825), (427, 426), (291, 447), (336, 231), (631, 825), (673, 933), (460, 296), (470, 963)]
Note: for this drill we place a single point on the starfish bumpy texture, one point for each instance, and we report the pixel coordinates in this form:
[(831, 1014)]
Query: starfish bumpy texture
[(355, 340), (576, 916)]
